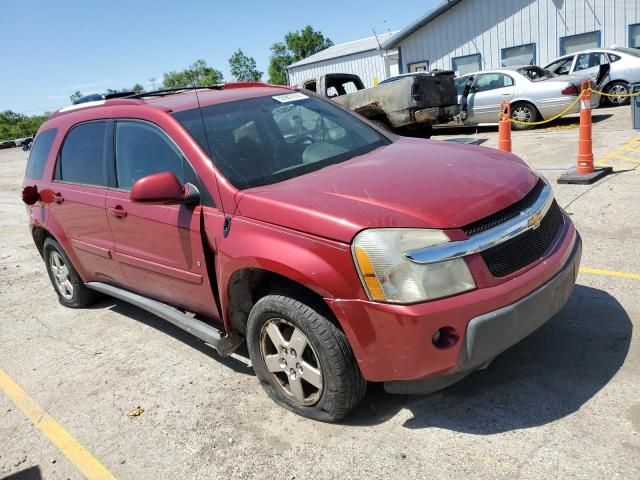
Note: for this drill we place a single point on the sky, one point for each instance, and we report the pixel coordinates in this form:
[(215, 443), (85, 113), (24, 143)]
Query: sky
[(51, 48)]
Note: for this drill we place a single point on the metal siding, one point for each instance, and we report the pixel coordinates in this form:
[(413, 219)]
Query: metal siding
[(367, 65), (487, 26)]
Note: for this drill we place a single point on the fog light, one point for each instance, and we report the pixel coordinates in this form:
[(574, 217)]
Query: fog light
[(445, 337)]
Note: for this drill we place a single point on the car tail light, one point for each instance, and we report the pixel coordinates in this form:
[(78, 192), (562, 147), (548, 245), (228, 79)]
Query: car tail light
[(571, 90)]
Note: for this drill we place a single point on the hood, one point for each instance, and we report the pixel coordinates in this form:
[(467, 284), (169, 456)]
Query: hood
[(409, 183)]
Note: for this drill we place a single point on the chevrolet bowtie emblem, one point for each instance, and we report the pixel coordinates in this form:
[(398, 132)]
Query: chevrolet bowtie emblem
[(534, 220)]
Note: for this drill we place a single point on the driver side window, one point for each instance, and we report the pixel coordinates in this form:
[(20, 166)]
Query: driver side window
[(143, 149)]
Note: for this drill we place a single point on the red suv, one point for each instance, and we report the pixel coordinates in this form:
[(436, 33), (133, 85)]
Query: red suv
[(341, 253)]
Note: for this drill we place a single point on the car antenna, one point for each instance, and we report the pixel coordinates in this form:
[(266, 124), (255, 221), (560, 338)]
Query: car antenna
[(206, 139)]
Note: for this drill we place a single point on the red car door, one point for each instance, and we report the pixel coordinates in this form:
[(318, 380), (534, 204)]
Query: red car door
[(77, 213), (159, 247)]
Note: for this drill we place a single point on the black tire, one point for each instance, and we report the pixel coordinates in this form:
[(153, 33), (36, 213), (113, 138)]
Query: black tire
[(343, 386), (80, 296), (533, 115), (617, 87)]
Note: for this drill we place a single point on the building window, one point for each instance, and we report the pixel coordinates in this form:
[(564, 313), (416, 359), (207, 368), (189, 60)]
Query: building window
[(521, 55), (466, 64), (576, 43), (634, 36), (418, 66)]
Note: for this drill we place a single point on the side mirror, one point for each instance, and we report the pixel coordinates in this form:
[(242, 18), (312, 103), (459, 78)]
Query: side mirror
[(164, 188)]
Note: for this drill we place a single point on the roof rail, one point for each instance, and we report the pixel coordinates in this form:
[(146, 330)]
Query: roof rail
[(169, 91), (95, 103), (92, 97)]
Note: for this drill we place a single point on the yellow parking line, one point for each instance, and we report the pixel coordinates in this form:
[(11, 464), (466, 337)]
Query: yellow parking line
[(69, 446), (625, 159), (610, 273)]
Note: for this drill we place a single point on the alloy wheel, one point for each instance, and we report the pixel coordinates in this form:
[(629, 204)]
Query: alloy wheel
[(291, 360), (522, 114), (618, 89), (61, 276)]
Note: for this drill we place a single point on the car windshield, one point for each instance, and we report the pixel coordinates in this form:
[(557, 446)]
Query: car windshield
[(269, 139), (535, 73)]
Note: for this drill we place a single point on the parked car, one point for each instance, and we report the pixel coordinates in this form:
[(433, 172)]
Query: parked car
[(534, 93), (340, 252), (26, 144), (624, 69), (405, 104), (7, 144)]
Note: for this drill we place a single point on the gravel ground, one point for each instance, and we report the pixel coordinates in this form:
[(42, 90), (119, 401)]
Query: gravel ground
[(564, 403)]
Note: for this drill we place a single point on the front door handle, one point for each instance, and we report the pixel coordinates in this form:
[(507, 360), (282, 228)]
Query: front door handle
[(118, 211)]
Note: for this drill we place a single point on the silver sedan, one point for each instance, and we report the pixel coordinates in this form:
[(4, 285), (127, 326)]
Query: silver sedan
[(534, 93), (624, 69)]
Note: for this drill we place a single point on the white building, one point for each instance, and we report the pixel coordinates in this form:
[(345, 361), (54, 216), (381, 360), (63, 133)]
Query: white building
[(472, 35), (362, 57)]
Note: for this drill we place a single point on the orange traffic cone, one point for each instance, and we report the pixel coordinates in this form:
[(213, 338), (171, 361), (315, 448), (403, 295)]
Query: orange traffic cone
[(585, 173), (504, 127), (585, 141)]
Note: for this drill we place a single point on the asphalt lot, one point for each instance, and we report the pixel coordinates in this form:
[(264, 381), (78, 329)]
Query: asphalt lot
[(565, 403)]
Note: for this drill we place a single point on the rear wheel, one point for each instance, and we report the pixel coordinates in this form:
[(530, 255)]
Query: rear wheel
[(64, 277), (524, 113), (617, 88), (302, 360)]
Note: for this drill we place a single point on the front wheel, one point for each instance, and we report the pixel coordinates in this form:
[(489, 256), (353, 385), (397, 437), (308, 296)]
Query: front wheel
[(525, 114), (618, 90), (302, 360)]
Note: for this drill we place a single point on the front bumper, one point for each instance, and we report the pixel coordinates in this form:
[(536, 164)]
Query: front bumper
[(394, 342), (491, 334)]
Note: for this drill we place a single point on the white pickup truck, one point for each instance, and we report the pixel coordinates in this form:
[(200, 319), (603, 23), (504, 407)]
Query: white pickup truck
[(406, 104)]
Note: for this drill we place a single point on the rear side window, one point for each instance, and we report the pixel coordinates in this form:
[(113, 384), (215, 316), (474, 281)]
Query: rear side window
[(40, 153), (143, 149), (82, 156), (493, 81)]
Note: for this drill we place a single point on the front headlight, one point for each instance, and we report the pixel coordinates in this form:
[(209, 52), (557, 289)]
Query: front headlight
[(389, 276)]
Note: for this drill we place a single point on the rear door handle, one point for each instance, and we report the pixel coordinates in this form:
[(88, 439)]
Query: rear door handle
[(118, 211), (58, 198)]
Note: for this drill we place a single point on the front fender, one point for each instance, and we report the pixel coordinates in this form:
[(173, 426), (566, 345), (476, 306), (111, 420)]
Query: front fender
[(323, 266)]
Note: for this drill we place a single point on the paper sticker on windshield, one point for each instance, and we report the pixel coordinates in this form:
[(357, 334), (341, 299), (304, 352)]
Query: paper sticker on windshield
[(290, 97)]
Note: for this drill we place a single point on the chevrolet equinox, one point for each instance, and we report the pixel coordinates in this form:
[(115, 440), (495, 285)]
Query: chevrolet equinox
[(341, 253)]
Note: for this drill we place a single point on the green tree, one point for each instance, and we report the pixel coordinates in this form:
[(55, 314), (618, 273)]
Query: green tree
[(306, 42), (297, 45), (198, 74), (243, 68), (75, 97), (15, 125), (137, 88), (280, 60)]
